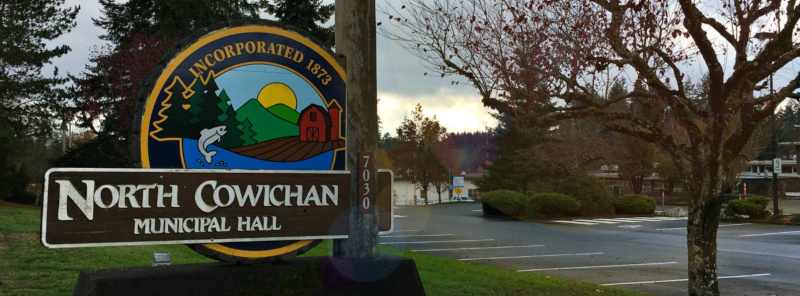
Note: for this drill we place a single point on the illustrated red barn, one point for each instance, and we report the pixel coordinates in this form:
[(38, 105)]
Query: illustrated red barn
[(318, 124)]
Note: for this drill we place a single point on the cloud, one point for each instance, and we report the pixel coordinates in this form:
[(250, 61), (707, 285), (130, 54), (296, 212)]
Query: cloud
[(455, 112), (400, 78)]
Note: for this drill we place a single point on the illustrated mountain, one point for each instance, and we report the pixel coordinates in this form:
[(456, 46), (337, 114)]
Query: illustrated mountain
[(265, 124), (285, 113)]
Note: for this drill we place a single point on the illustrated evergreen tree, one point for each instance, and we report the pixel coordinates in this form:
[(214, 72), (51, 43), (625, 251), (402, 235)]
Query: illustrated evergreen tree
[(175, 116), (232, 138), (247, 133), (209, 107), (195, 109)]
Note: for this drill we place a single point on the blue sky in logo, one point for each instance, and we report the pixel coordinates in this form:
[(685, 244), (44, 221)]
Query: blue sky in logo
[(244, 83)]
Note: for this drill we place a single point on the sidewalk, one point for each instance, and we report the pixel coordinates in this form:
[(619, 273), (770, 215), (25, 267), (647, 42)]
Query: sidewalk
[(788, 206), (669, 207)]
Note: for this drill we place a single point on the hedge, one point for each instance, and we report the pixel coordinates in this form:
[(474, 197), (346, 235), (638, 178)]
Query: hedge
[(14, 187), (595, 197), (552, 204), (504, 202), (753, 206), (634, 205), (759, 200)]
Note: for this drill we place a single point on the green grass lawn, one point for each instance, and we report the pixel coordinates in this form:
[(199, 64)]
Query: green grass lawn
[(28, 268)]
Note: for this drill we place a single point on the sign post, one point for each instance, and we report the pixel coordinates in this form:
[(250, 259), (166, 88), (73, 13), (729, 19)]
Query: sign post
[(777, 168), (356, 37)]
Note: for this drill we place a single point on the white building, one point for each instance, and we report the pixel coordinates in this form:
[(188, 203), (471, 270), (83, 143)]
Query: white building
[(406, 191)]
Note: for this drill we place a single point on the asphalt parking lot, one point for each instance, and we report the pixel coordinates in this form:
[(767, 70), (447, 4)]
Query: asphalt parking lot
[(641, 253)]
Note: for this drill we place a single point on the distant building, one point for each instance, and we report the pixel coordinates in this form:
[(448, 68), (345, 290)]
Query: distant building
[(652, 185), (319, 125), (405, 191), (756, 179)]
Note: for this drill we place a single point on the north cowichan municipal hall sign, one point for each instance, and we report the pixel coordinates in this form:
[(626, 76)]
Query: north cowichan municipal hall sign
[(240, 132), (128, 207)]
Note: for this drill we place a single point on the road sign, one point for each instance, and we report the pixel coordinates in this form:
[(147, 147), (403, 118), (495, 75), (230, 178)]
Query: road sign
[(458, 181), (776, 166), (458, 187), (116, 207)]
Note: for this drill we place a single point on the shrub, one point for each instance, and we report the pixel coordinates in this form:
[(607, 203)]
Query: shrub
[(759, 200), (752, 208), (504, 202), (595, 197), (14, 187), (552, 204), (634, 204)]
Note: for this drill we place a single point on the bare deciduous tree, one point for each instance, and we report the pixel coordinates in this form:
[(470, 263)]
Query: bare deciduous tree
[(544, 60)]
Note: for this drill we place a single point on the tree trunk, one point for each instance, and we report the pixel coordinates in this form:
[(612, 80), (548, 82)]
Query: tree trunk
[(701, 240), (636, 184)]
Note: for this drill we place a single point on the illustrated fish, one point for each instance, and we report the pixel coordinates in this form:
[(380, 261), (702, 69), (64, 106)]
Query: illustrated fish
[(210, 136)]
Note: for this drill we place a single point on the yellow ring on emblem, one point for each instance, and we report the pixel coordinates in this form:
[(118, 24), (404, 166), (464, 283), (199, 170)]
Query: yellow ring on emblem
[(258, 254)]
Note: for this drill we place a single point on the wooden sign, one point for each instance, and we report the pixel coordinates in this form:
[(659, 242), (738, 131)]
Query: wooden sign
[(114, 207), (384, 202), (249, 95)]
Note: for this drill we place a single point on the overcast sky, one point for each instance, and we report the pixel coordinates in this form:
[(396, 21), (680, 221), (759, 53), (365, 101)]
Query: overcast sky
[(401, 83)]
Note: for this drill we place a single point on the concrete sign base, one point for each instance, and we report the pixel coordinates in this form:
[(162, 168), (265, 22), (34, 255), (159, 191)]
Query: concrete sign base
[(387, 275)]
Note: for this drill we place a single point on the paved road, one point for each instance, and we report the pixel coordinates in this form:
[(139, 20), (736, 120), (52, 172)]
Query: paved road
[(647, 255)]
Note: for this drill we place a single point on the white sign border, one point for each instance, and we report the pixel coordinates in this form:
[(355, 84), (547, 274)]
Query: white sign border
[(391, 203), (176, 242)]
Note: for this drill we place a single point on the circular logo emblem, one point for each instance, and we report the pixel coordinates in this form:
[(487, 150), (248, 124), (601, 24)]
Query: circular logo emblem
[(253, 96)]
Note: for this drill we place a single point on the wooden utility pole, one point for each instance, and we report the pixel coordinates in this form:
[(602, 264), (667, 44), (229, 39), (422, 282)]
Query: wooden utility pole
[(356, 42)]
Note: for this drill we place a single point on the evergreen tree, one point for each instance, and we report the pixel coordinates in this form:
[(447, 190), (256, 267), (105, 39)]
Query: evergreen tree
[(172, 18), (231, 139), (27, 97), (787, 119), (247, 133), (176, 117), (196, 100), (224, 105), (306, 15), (209, 107), (139, 32)]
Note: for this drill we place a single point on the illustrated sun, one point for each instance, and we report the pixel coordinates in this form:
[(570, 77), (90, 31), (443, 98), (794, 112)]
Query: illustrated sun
[(277, 93)]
